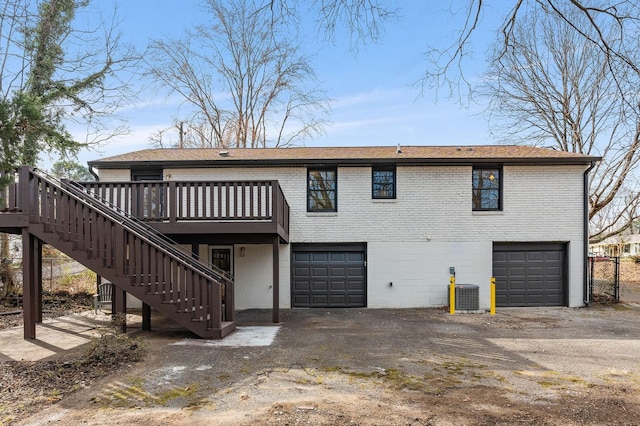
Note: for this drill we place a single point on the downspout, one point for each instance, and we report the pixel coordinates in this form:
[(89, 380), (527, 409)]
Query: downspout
[(95, 175), (585, 256)]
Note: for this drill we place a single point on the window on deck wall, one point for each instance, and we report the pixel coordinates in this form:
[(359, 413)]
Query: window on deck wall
[(487, 188), (383, 182), (148, 194), (322, 190)]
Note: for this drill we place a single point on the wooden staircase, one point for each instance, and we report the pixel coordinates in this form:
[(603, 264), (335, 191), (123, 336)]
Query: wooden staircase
[(134, 257)]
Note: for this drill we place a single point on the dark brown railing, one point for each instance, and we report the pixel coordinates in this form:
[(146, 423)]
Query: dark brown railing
[(174, 201), (127, 251), (8, 192)]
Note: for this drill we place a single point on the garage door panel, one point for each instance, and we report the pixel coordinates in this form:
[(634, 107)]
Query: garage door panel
[(319, 285), (515, 257), (301, 257), (320, 272), (301, 285), (515, 285), (355, 257), (529, 274), (554, 255), (554, 299), (302, 272), (534, 256), (535, 299), (516, 299), (319, 299), (355, 271), (535, 271), (319, 257), (336, 278), (337, 300), (302, 300), (517, 271), (338, 286), (356, 301), (553, 272), (337, 257), (355, 285), (534, 286), (338, 272), (500, 257)]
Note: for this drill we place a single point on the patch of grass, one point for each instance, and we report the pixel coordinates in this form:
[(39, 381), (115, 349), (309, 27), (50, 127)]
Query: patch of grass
[(622, 307), (549, 379), (125, 396), (177, 393), (399, 380)]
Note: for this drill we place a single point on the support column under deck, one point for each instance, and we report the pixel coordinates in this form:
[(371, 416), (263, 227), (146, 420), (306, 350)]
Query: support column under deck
[(31, 283), (120, 307), (276, 279), (146, 317), (38, 279)]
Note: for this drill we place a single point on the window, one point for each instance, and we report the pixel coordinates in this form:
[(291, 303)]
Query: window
[(149, 194), (383, 182), (322, 190), (487, 186)]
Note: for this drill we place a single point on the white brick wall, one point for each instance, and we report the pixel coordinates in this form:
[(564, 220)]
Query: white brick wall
[(414, 239)]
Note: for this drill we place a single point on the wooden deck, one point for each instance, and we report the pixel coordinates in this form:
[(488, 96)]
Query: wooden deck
[(118, 230), (202, 207)]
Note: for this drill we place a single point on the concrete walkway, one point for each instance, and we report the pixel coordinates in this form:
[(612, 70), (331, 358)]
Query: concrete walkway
[(54, 337), (58, 336)]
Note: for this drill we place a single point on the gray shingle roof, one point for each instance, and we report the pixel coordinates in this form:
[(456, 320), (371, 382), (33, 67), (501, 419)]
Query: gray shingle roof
[(408, 154)]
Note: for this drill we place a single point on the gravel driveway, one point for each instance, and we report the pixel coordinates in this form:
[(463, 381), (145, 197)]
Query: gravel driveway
[(367, 366)]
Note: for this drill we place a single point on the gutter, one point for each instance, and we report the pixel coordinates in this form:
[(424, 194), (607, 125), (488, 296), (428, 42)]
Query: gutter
[(585, 261), (318, 162), (95, 175)]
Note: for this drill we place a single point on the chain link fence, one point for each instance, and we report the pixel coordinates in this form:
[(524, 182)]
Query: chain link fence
[(604, 279), (58, 274)]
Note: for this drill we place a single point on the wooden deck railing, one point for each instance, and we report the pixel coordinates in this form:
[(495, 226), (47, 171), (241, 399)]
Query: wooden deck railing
[(8, 192), (175, 201), (126, 252)]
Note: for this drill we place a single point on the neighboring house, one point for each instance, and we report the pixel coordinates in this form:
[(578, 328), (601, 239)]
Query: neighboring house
[(362, 227), (617, 246)]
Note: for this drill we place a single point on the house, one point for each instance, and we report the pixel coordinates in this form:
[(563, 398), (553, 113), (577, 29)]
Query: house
[(623, 245), (362, 227)]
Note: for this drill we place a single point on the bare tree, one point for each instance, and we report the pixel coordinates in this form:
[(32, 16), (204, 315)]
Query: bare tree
[(243, 78), (609, 27), (56, 70), (552, 86), (365, 20), (593, 21)]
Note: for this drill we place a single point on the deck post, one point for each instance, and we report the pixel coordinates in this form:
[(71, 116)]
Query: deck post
[(173, 201), (37, 275), (276, 279), (29, 297), (120, 307), (146, 317)]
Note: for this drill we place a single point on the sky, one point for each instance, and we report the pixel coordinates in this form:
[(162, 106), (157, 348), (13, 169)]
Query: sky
[(375, 99)]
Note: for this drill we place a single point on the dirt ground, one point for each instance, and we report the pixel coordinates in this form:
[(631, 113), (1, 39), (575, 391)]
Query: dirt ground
[(542, 366)]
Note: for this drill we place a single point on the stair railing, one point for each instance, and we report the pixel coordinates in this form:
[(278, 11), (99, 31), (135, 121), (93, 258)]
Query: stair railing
[(140, 231), (153, 235)]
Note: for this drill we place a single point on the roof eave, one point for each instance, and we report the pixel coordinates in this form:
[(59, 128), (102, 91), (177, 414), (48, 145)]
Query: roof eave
[(340, 161)]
